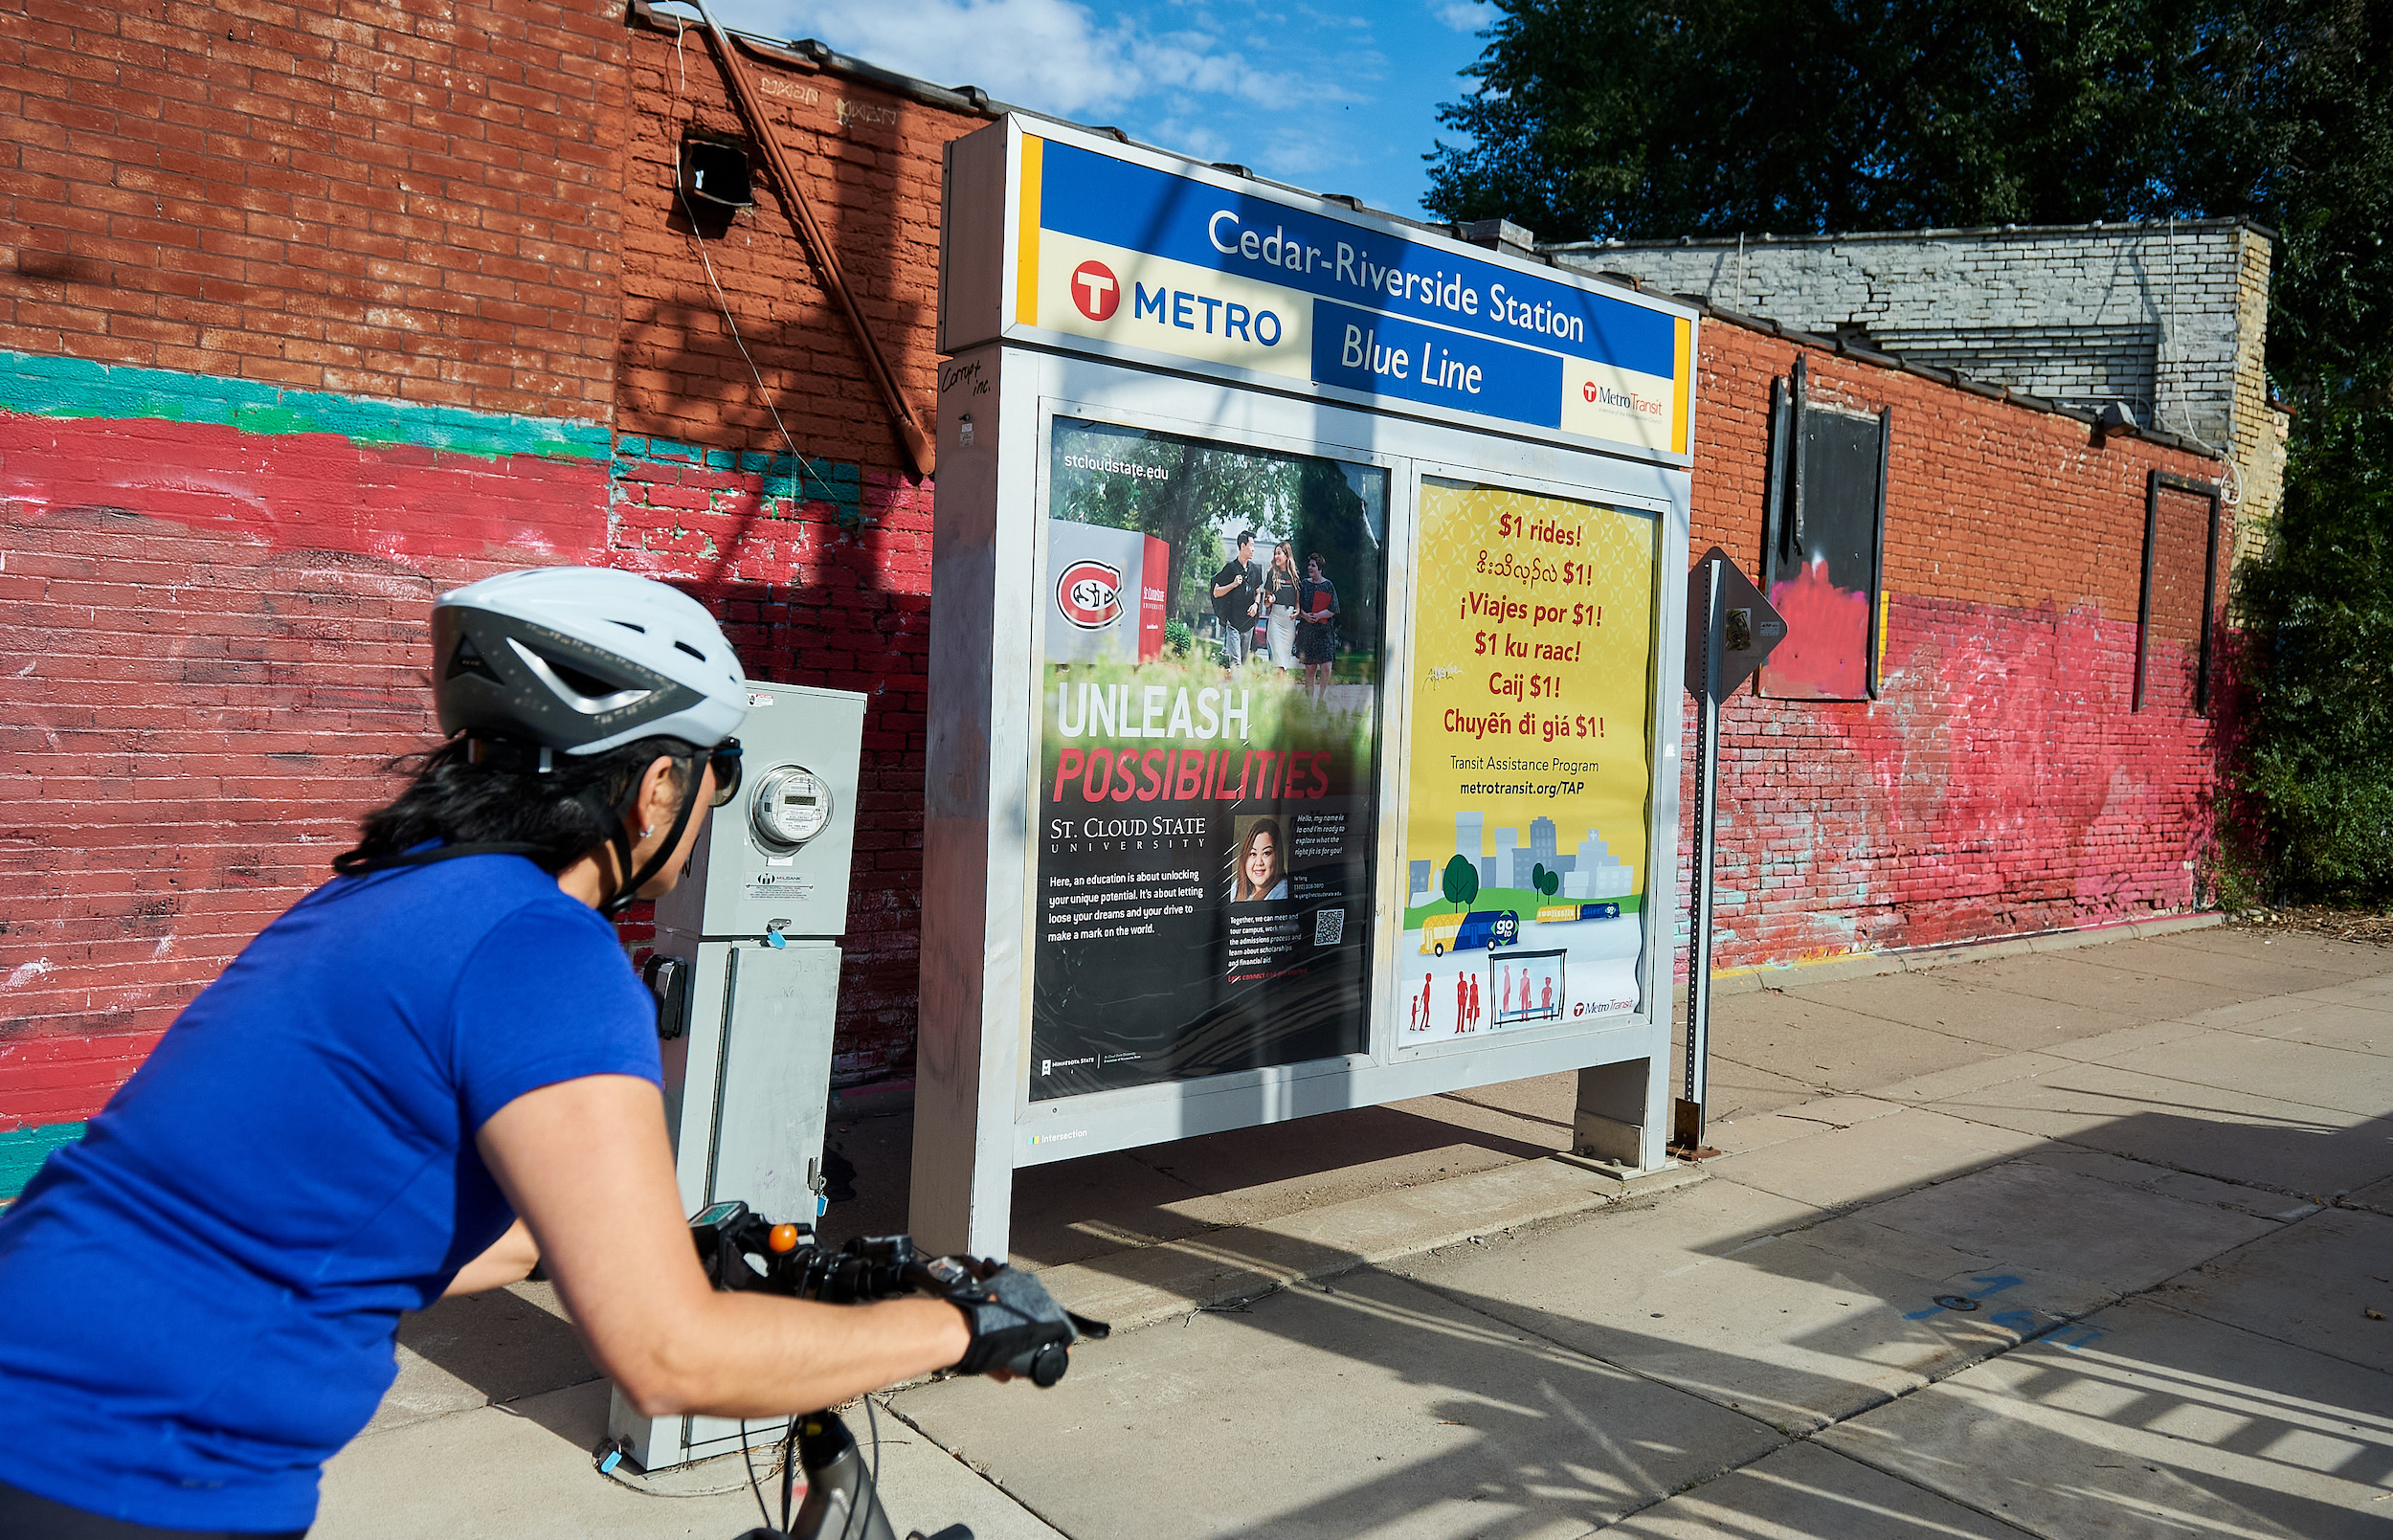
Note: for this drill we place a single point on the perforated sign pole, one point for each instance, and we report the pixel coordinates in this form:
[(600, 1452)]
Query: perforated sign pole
[(1731, 628), (1703, 605)]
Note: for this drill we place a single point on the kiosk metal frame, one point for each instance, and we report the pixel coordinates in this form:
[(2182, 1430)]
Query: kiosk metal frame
[(976, 1121)]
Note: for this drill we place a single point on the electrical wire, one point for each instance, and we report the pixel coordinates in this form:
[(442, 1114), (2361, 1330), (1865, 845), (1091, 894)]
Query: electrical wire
[(617, 1477), (805, 467), (2231, 481)]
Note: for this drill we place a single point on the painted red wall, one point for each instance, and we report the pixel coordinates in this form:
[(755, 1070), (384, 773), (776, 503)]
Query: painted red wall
[(222, 635), (2001, 784)]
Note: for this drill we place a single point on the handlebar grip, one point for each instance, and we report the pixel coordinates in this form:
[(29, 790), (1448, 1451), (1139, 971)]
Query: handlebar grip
[(1044, 1366)]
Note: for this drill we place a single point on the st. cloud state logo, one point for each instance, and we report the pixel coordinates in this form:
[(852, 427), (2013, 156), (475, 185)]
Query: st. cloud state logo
[(1089, 594)]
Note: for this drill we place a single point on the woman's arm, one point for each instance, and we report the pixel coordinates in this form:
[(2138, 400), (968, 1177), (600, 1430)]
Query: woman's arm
[(510, 1260), (588, 1164)]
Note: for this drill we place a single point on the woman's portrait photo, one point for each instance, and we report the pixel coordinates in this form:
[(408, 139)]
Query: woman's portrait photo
[(1261, 874)]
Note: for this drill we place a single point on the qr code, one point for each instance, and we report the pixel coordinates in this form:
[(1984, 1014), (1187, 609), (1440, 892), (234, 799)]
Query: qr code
[(1328, 927)]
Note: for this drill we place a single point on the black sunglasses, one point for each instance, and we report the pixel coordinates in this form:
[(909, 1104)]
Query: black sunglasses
[(723, 759)]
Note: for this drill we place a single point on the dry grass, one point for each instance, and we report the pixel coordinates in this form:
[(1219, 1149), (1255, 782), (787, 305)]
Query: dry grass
[(2372, 925)]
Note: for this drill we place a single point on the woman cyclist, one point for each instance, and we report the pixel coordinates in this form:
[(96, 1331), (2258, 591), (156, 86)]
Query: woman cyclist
[(433, 1071)]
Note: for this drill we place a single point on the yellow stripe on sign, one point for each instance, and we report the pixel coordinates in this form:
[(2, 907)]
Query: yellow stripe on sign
[(1026, 239), (1684, 373)]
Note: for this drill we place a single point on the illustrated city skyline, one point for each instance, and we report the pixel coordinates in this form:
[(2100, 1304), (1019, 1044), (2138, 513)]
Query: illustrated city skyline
[(1589, 871)]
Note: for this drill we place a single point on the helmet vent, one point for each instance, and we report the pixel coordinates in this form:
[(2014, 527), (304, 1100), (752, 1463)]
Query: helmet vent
[(630, 625), (692, 650), (585, 693)]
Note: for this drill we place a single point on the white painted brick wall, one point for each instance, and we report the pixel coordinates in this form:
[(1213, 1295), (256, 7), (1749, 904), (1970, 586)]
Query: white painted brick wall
[(2146, 314)]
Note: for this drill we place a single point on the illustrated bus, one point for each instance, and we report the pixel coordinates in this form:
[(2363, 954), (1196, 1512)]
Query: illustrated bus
[(1442, 933), (1562, 913)]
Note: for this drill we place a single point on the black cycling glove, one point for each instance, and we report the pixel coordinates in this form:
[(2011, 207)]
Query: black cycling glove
[(1016, 1324)]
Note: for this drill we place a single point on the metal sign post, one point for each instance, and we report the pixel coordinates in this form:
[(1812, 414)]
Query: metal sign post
[(1731, 628)]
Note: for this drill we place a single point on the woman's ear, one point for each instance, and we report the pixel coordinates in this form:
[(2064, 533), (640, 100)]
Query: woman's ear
[(659, 795)]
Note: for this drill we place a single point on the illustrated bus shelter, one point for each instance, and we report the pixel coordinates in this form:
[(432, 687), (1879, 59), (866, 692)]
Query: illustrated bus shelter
[(1421, 835)]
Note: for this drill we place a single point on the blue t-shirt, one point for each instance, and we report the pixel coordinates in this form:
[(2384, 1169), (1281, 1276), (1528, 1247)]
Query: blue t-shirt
[(198, 1299)]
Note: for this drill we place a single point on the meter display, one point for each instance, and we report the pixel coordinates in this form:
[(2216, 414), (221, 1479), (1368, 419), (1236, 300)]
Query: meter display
[(792, 805)]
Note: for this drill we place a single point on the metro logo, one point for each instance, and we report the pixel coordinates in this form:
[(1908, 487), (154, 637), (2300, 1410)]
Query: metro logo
[(1126, 299), (1089, 594), (1096, 291)]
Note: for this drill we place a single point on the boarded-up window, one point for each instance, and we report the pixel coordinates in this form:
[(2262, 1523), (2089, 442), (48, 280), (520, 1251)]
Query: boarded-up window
[(1824, 532), (2180, 591)]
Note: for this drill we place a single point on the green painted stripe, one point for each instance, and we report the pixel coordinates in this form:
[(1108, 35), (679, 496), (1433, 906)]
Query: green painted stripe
[(22, 1150), (812, 480), (78, 388)]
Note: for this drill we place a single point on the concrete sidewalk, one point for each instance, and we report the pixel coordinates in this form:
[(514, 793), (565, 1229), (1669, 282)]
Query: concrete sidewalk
[(2067, 1244)]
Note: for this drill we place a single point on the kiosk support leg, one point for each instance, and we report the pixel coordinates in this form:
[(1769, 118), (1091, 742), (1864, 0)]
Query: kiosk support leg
[(1619, 1111)]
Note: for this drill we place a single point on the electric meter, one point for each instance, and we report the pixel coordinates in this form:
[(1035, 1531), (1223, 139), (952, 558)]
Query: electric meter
[(792, 805)]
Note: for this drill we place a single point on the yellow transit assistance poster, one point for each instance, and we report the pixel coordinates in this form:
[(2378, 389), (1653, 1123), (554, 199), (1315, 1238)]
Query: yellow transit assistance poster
[(1526, 830)]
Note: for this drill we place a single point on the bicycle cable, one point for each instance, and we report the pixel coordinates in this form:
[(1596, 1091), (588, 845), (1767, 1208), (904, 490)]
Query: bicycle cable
[(872, 1426), (788, 1471), (756, 1488)]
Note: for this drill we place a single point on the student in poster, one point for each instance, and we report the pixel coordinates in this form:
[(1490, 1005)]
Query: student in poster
[(1205, 844), (1316, 624), (1257, 876)]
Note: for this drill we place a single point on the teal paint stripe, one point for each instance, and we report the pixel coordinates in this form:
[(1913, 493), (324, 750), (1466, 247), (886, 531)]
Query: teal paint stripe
[(22, 1150), (78, 388), (837, 482)]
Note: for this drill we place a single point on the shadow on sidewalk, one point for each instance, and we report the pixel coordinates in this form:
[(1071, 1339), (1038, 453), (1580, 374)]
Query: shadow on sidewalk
[(1534, 1396)]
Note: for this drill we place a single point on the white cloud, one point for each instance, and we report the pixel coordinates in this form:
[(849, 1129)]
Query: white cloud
[(1464, 15), (1053, 55)]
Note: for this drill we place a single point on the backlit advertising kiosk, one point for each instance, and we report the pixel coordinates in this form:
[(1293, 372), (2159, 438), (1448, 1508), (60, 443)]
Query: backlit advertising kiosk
[(1378, 804)]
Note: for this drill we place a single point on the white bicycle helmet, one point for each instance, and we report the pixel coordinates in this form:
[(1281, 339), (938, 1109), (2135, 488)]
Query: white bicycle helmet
[(578, 661), (581, 660)]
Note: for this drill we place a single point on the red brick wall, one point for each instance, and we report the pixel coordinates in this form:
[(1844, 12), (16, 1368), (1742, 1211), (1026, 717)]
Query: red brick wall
[(407, 200), (2001, 784), (823, 571), (271, 221)]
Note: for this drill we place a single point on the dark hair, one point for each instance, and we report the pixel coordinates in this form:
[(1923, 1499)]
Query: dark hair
[(1246, 537), (458, 802)]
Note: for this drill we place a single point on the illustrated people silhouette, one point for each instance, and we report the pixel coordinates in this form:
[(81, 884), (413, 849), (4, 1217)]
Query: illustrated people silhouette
[(1546, 1002), (1507, 989), (1462, 1002), (1426, 980), (1474, 1000)]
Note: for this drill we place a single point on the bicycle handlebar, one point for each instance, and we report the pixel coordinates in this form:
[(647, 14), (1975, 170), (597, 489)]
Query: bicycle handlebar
[(741, 1250)]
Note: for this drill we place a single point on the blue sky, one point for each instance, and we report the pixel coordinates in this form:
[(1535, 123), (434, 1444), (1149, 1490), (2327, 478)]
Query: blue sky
[(1337, 98)]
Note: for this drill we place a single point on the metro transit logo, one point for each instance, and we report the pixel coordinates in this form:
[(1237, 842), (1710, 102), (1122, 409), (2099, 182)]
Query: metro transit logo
[(1095, 291)]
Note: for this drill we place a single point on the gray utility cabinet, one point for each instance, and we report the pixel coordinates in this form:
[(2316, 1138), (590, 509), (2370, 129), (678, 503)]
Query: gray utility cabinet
[(745, 971)]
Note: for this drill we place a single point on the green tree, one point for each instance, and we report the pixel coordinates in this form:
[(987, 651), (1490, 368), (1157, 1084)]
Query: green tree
[(1204, 496), (1461, 881), (1615, 117), (2312, 778)]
